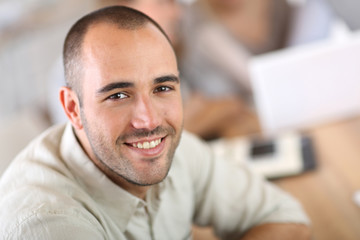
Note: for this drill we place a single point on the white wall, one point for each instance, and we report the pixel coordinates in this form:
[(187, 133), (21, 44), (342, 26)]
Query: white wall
[(31, 41)]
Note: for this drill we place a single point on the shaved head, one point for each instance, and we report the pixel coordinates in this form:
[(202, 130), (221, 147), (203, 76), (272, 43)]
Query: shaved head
[(120, 16)]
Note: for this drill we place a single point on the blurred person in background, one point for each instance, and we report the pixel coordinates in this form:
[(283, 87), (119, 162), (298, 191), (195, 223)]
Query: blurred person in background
[(220, 36)]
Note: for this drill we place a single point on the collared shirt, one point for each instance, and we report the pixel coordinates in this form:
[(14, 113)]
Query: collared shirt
[(52, 190)]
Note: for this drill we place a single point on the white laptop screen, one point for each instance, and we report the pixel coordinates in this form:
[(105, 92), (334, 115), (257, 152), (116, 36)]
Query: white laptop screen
[(307, 85)]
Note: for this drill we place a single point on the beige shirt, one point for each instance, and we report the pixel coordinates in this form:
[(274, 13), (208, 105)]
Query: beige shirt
[(53, 191)]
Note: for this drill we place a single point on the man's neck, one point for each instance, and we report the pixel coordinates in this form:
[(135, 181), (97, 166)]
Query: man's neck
[(136, 190)]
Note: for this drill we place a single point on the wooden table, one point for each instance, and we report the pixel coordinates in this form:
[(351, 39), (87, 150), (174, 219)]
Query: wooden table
[(327, 192)]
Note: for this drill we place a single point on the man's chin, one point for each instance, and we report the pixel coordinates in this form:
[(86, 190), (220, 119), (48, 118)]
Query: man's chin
[(154, 172), (145, 182)]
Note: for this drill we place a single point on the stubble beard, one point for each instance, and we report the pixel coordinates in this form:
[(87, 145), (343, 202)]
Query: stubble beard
[(112, 162)]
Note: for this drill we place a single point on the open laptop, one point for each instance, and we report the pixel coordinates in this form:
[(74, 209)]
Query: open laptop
[(348, 10), (300, 87)]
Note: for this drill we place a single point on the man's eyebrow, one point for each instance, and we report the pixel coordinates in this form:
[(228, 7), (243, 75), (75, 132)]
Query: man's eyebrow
[(115, 85), (168, 78)]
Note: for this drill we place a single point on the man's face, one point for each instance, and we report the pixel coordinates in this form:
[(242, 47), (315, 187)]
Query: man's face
[(132, 109)]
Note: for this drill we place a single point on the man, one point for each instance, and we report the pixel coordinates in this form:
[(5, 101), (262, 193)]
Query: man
[(117, 170)]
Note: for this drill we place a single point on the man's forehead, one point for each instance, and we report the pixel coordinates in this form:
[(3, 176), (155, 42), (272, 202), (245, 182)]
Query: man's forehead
[(107, 35), (112, 51), (106, 30)]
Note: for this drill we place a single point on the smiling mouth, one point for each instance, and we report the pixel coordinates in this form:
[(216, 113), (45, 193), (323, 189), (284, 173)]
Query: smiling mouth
[(147, 144)]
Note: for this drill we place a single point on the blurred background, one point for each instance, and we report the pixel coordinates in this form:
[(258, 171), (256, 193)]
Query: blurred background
[(222, 45)]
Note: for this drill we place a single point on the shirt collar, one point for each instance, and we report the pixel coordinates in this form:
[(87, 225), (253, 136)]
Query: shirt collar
[(117, 202)]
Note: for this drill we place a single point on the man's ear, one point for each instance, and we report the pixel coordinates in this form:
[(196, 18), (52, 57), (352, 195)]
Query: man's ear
[(70, 102)]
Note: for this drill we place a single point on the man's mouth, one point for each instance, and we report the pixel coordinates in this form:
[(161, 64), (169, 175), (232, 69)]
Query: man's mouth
[(147, 144)]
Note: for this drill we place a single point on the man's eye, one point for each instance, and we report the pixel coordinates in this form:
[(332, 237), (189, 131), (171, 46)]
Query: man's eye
[(163, 89), (117, 96)]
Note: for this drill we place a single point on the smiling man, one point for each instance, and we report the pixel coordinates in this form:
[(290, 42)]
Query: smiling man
[(118, 169), (129, 118)]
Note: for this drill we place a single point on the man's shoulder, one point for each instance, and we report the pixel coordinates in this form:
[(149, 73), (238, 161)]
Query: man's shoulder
[(32, 220), (192, 155), (35, 181), (41, 154), (191, 143), (50, 139), (191, 148), (47, 141)]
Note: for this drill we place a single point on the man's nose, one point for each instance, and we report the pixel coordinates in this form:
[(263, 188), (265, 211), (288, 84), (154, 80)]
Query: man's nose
[(145, 114)]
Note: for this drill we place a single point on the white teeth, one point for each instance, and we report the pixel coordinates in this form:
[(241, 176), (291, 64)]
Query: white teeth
[(147, 145)]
